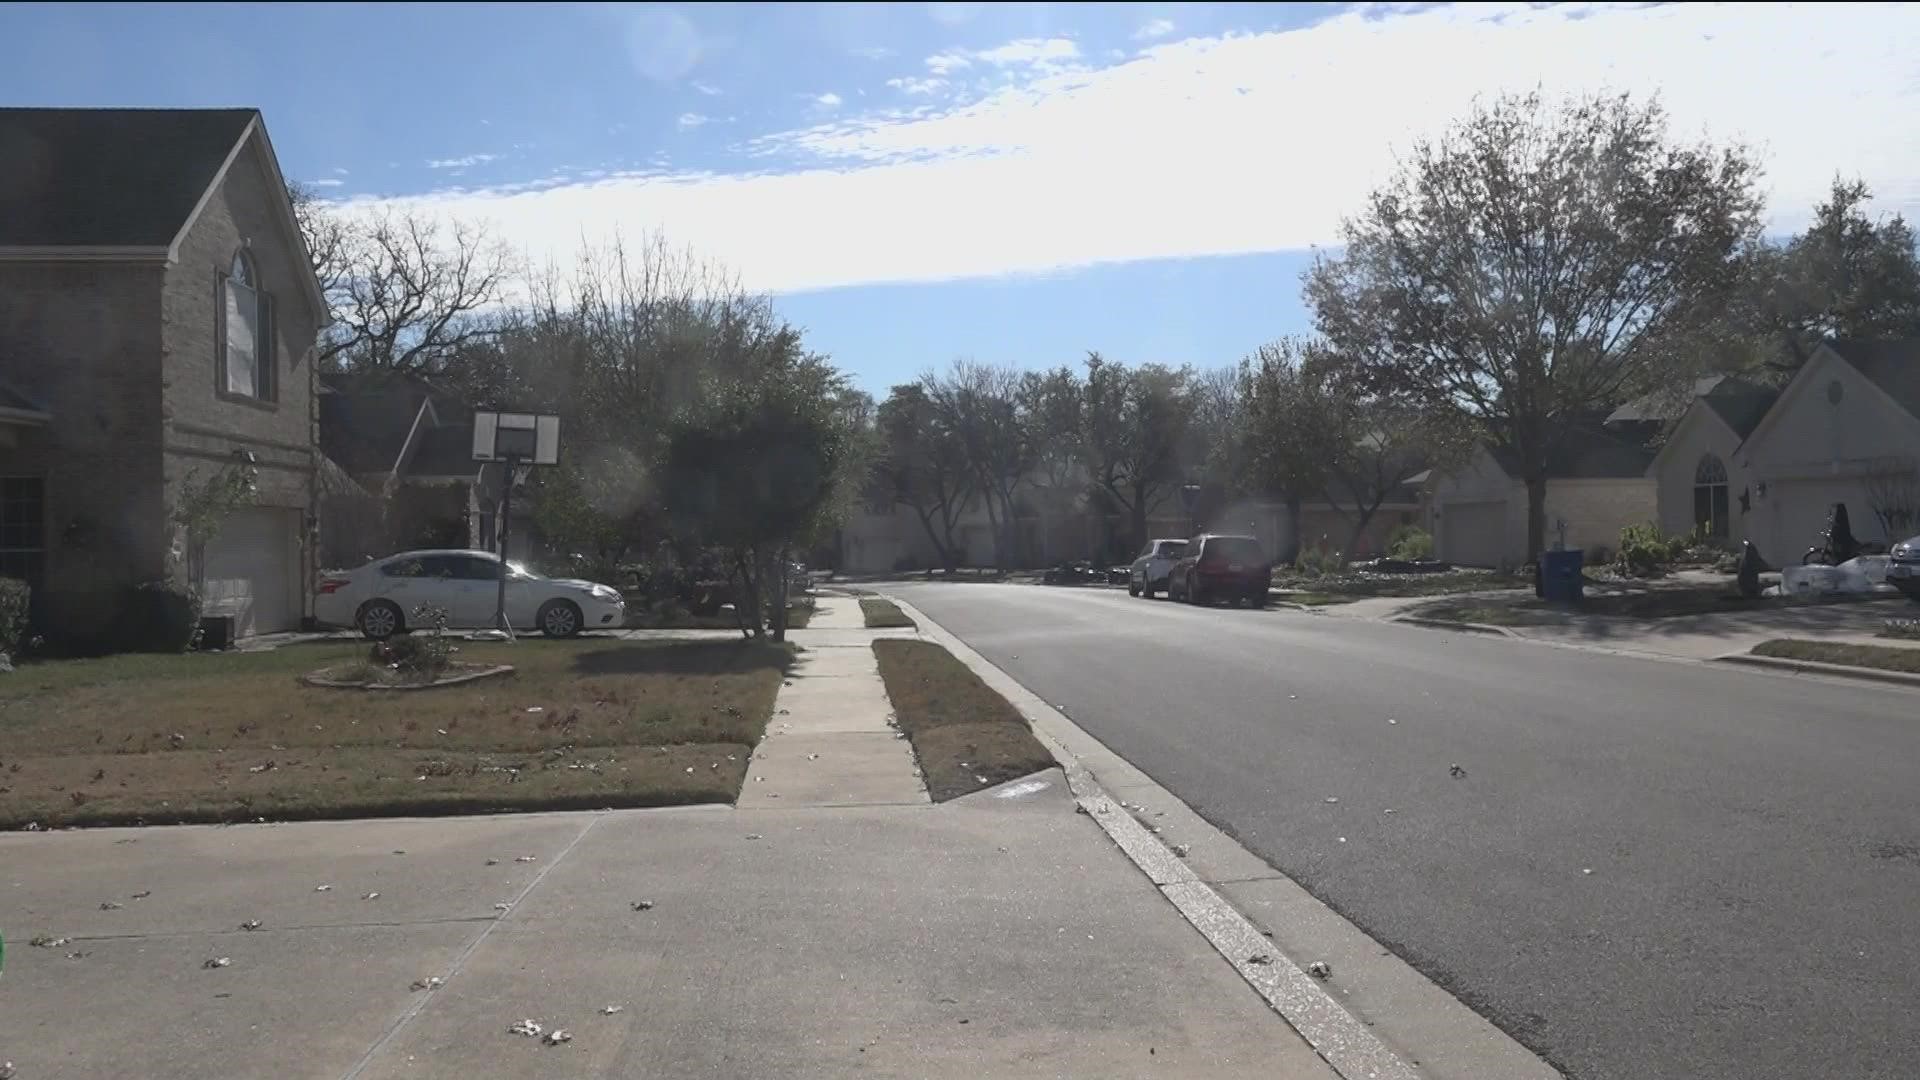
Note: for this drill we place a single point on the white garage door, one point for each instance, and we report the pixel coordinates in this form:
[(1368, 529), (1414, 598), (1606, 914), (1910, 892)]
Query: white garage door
[(1473, 534), (250, 571)]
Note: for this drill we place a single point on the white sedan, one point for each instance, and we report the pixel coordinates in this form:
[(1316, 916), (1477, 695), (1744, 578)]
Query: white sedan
[(380, 598)]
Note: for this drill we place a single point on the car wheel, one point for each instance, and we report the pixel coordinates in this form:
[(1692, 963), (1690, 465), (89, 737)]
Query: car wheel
[(1133, 589), (380, 619), (559, 618), (1194, 595), (1257, 600)]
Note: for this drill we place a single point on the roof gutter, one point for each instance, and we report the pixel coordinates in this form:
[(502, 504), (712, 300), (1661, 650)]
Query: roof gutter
[(37, 253)]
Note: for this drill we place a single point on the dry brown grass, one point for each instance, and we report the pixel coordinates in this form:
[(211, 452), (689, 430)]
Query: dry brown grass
[(883, 614), (1879, 657), (966, 735), (178, 738)]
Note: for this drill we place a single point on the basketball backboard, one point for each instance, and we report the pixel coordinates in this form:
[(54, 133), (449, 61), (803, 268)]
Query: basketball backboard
[(528, 438)]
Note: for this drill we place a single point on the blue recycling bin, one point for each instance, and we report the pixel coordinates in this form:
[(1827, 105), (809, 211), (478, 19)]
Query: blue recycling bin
[(1560, 576)]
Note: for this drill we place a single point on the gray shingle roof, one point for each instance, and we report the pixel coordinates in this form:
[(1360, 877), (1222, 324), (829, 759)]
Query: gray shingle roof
[(108, 177), (1893, 366)]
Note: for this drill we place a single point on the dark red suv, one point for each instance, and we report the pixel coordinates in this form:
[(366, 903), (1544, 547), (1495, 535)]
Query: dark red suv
[(1230, 568)]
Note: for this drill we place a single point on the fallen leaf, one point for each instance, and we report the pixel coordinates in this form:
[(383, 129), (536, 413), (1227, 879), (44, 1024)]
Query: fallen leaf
[(531, 1028), (525, 858), (502, 906), (142, 895), (609, 1010), (250, 924), (493, 862), (431, 982), (643, 905), (754, 836), (1456, 770), (1260, 958), (110, 905), (1181, 850), (323, 888), (78, 955), (1320, 969), (1330, 799), (557, 1036), (535, 709), (45, 942), (371, 896), (217, 962), (1389, 810)]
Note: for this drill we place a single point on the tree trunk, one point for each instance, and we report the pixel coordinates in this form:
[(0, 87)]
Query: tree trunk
[(1139, 520), (747, 597), (1536, 516), (942, 548), (779, 584)]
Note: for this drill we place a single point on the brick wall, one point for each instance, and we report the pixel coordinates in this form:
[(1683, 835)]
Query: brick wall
[(205, 425), (83, 340)]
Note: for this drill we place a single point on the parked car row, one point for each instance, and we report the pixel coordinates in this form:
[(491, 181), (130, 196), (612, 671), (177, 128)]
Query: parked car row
[(381, 598), (1207, 569)]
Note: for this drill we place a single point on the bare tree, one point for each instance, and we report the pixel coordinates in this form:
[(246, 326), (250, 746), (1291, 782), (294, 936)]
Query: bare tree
[(1135, 430), (980, 404), (922, 466), (407, 292), (1893, 491), (1538, 264)]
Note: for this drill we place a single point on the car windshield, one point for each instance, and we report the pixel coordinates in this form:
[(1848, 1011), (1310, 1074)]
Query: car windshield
[(1173, 548), (1235, 549)]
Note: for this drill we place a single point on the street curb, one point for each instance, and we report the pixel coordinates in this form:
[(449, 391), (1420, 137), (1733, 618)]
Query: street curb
[(1815, 667), (1445, 624), (1345, 1041)]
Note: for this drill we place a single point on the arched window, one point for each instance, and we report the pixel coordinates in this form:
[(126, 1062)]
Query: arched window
[(1710, 496), (245, 333)]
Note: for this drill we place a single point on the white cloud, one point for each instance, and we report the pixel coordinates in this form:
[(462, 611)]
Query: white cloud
[(828, 100), (948, 63), (706, 88), (1157, 28), (690, 120), (328, 182), (462, 162), (872, 52), (917, 86), (1030, 51), (339, 171), (1250, 143)]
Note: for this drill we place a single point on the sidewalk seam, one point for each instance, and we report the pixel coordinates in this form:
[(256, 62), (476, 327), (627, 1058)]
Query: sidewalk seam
[(423, 999), (1339, 1037)]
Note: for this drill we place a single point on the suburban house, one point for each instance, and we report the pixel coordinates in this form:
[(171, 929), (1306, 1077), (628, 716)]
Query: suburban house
[(1597, 483), (408, 446), (1734, 460), (1749, 462), (157, 322)]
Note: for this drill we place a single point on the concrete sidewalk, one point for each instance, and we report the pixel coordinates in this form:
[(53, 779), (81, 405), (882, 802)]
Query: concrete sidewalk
[(846, 928)]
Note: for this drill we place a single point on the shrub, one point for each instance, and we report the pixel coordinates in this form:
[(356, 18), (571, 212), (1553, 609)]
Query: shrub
[(1318, 561), (1644, 552), (424, 655), (1410, 542), (160, 616), (15, 600)]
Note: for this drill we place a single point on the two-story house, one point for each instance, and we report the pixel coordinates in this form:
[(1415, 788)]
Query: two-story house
[(158, 317)]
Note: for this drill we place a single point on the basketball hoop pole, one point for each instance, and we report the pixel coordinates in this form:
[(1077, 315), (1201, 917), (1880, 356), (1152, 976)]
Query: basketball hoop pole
[(506, 529)]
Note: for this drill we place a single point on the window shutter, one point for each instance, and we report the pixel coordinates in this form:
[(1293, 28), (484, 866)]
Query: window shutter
[(267, 358), (220, 330)]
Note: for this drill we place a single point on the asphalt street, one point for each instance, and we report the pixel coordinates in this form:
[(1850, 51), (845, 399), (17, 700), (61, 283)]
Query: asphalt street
[(1642, 869)]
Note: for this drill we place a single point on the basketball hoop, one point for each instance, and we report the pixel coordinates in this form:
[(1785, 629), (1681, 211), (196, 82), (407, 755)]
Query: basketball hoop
[(511, 443)]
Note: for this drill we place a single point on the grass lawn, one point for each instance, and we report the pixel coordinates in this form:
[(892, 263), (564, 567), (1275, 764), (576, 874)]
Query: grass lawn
[(966, 735), (235, 736), (1301, 588), (883, 614), (1652, 603), (1882, 657)]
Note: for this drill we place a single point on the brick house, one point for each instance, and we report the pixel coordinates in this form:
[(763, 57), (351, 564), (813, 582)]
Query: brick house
[(157, 323)]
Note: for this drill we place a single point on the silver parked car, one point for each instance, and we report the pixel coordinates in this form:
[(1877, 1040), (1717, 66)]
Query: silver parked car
[(1903, 568), (1149, 572)]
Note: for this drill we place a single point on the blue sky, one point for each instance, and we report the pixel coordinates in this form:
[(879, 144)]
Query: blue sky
[(922, 181)]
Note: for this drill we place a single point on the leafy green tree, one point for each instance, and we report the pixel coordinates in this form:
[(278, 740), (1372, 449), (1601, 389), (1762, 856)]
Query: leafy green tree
[(1291, 429), (979, 404), (758, 470), (921, 464), (1539, 263), (1849, 275)]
